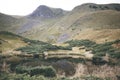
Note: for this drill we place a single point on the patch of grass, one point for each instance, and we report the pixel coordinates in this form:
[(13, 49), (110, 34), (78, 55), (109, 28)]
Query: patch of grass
[(10, 41)]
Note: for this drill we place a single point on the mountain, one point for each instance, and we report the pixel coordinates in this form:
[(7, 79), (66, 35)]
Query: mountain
[(83, 22), (42, 16), (84, 14), (44, 12), (6, 21), (97, 22)]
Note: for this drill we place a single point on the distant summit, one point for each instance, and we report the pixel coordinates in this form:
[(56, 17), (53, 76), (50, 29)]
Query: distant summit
[(43, 11), (46, 12)]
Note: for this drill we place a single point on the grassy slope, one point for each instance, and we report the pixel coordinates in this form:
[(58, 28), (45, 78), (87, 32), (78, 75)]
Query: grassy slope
[(99, 19), (9, 42), (98, 26), (99, 36)]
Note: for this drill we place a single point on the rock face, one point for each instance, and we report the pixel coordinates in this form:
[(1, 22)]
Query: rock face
[(43, 12), (46, 12)]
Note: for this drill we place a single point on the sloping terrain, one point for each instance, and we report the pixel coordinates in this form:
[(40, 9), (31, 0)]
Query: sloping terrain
[(87, 21), (98, 26), (11, 23), (6, 21), (99, 36), (10, 41), (77, 21)]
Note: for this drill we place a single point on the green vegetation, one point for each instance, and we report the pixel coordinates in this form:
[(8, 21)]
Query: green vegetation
[(38, 47), (35, 46), (106, 48), (28, 77), (98, 49), (20, 77), (46, 71), (77, 60), (86, 43), (98, 60)]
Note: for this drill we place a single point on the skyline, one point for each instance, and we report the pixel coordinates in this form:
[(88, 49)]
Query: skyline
[(25, 7)]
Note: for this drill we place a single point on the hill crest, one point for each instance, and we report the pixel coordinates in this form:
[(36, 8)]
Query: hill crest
[(96, 7)]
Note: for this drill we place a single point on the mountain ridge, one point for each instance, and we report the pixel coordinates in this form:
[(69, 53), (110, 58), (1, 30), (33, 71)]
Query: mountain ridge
[(47, 12), (95, 7)]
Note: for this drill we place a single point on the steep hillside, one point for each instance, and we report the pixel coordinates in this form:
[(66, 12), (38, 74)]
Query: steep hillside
[(99, 19), (86, 13)]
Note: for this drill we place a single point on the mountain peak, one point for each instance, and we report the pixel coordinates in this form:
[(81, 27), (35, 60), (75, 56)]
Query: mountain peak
[(45, 12), (42, 6)]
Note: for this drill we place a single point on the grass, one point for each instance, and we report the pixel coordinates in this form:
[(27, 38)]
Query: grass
[(105, 35), (10, 41)]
